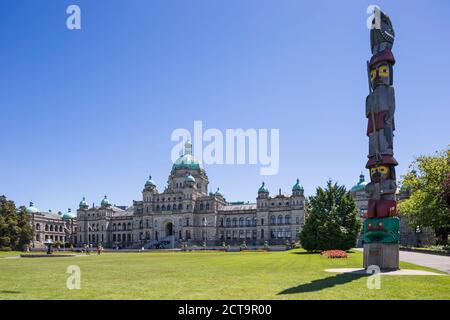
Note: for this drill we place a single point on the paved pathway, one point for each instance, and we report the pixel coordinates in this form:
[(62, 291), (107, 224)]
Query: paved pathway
[(427, 260), (434, 261)]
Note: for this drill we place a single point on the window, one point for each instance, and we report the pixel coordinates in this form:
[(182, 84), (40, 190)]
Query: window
[(297, 219), (287, 219), (207, 206), (228, 223), (280, 219), (180, 206), (262, 221), (241, 222), (272, 220), (248, 222), (201, 206), (254, 222), (234, 222)]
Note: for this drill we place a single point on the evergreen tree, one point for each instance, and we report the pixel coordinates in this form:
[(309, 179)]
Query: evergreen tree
[(15, 230), (332, 221)]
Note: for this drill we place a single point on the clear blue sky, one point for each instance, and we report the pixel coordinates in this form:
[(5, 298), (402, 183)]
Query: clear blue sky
[(90, 112)]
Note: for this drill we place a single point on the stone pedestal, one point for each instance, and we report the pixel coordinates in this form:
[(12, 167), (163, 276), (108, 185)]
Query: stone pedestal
[(383, 255)]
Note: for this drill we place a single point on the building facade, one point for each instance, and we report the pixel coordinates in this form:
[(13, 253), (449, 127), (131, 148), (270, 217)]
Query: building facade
[(51, 227), (186, 212)]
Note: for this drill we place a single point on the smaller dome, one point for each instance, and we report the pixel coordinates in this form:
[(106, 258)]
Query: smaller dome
[(189, 178), (297, 186), (263, 188), (83, 203), (105, 202), (32, 209), (150, 183), (361, 185), (68, 215)]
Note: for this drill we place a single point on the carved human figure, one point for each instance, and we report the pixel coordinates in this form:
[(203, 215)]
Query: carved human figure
[(381, 191)]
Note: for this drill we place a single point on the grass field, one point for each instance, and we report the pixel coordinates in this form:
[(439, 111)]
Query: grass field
[(253, 275)]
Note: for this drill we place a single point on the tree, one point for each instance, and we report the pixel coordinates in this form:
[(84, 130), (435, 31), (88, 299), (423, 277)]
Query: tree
[(15, 230), (427, 182), (332, 221)]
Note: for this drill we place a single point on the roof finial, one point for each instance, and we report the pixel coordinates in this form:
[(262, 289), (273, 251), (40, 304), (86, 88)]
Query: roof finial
[(188, 147)]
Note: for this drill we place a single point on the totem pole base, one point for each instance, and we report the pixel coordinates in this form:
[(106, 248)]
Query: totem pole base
[(383, 255)]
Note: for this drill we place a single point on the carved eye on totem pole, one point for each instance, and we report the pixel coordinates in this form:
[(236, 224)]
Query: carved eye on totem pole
[(381, 74)]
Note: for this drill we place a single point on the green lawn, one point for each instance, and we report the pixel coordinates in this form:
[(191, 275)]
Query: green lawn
[(253, 275)]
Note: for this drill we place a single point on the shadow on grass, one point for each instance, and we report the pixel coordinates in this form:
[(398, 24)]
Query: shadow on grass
[(9, 292), (320, 284), (306, 252)]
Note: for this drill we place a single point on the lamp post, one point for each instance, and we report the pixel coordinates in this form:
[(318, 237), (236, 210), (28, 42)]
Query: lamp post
[(205, 223)]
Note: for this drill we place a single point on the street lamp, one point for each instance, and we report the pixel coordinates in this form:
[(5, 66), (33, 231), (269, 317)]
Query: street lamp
[(205, 223)]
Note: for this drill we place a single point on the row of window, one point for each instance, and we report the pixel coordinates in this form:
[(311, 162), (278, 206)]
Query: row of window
[(50, 227), (287, 203)]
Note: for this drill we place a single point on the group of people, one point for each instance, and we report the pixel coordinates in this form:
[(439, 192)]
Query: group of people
[(88, 248)]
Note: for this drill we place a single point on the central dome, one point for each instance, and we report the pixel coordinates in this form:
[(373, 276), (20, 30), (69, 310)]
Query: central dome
[(187, 160)]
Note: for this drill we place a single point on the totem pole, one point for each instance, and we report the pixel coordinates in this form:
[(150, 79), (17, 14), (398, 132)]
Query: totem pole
[(382, 226)]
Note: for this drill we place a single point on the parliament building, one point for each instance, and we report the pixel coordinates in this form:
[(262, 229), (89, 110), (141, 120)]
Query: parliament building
[(187, 213)]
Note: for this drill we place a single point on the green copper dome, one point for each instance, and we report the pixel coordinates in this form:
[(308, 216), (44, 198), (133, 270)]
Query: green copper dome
[(361, 185), (297, 186), (263, 188), (187, 160), (83, 203), (105, 202), (150, 183), (189, 178), (68, 215), (32, 209)]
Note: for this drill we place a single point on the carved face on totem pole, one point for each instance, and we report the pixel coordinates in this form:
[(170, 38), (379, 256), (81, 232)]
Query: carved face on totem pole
[(379, 173), (382, 172), (381, 74)]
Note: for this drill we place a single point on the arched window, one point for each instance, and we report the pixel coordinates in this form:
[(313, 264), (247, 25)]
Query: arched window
[(248, 222), (124, 226), (254, 222), (207, 206), (180, 206), (201, 206), (114, 228), (234, 222), (46, 227), (51, 227), (280, 219), (228, 223), (272, 220), (129, 226), (157, 208), (163, 208), (38, 227), (241, 222), (141, 224), (287, 219)]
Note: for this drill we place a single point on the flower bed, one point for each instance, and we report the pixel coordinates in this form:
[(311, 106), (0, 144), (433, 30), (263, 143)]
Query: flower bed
[(334, 254)]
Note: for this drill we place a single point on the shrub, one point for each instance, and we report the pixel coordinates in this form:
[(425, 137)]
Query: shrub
[(334, 254), (332, 221), (5, 248)]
